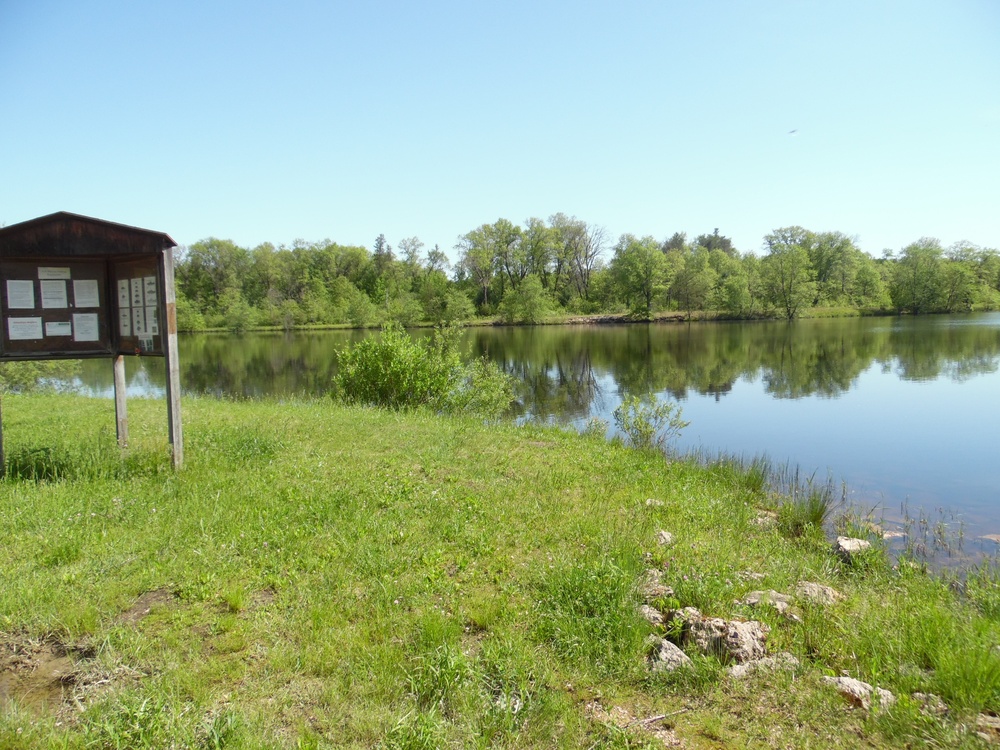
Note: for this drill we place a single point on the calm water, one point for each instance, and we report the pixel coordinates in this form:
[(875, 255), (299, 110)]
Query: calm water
[(904, 410)]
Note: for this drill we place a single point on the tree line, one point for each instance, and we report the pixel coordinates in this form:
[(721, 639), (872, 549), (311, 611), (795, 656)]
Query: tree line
[(565, 266)]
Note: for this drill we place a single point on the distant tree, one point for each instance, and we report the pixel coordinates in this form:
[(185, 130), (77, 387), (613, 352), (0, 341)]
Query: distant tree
[(409, 249), (786, 272), (916, 284), (578, 251), (677, 241), (834, 259), (436, 260), (477, 260), (716, 241), (694, 283), (538, 242), (640, 272)]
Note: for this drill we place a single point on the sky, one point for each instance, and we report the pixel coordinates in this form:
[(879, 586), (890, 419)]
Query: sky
[(275, 122)]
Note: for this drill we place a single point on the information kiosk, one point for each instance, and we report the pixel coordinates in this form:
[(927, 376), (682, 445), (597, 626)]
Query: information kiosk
[(74, 287)]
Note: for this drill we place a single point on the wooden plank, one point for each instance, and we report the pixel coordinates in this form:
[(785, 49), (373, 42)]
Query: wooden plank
[(121, 408), (169, 316)]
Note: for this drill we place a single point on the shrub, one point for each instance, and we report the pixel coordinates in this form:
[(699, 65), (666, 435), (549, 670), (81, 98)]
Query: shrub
[(394, 371), (529, 303), (649, 424)]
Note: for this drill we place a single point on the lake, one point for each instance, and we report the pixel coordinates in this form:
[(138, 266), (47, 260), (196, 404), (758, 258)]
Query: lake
[(906, 411)]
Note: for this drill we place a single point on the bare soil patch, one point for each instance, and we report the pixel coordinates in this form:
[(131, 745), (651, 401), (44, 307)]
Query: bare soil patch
[(35, 674), (145, 604)]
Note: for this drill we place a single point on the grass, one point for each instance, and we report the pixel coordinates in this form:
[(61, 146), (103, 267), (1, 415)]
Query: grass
[(320, 576)]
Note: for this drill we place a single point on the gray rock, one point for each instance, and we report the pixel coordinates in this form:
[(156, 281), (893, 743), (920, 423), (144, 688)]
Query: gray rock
[(784, 660), (861, 693), (664, 538), (650, 615), (667, 657), (780, 602), (931, 704), (731, 640), (988, 728), (653, 587), (816, 592), (684, 615), (847, 548)]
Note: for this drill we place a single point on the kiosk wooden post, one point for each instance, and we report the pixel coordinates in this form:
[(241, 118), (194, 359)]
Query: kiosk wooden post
[(75, 287), (172, 361), (121, 407)]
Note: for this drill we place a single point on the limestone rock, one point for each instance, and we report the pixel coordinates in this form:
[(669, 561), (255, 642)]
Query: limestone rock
[(931, 704), (817, 592), (847, 548), (650, 615), (988, 727), (861, 693), (732, 640), (784, 660), (780, 602), (684, 615), (653, 587), (666, 657), (664, 538)]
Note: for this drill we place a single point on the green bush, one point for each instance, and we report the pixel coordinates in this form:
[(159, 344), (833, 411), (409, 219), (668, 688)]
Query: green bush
[(529, 303), (649, 424), (394, 371)]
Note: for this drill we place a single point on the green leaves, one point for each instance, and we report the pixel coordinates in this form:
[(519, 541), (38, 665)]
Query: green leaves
[(394, 371)]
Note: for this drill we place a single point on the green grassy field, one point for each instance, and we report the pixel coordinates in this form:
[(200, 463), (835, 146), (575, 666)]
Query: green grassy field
[(321, 576)]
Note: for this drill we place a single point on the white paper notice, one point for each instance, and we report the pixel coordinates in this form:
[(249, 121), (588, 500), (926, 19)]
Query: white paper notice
[(53, 294), (45, 272), (136, 292), (59, 329), (85, 327), (125, 322), (24, 329), (123, 297), (139, 321), (20, 295), (151, 327), (85, 293), (149, 285)]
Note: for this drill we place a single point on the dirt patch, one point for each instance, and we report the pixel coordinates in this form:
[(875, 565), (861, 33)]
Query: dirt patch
[(263, 598), (145, 604), (622, 718), (48, 677), (35, 674)]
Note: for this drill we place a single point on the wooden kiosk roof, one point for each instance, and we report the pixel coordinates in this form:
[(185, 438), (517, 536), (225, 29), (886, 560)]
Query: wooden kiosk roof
[(69, 235)]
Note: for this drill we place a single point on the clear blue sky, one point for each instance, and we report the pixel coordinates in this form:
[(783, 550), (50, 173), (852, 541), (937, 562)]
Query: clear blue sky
[(265, 121)]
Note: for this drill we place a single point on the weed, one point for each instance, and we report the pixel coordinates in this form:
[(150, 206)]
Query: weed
[(805, 503)]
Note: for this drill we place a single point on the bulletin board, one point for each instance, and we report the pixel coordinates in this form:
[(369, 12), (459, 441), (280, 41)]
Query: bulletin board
[(80, 308)]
